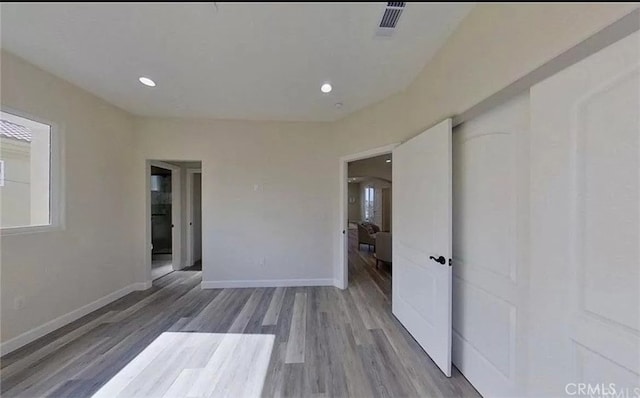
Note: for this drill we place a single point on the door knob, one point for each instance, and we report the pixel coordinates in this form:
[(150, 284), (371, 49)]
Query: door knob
[(440, 259)]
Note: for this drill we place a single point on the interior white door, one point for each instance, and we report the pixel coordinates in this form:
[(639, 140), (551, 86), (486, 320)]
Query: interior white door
[(176, 247), (585, 226), (421, 291), (490, 271), (197, 217)]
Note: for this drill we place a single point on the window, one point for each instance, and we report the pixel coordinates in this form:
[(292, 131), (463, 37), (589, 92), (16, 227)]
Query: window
[(25, 173), (156, 183), (369, 196)]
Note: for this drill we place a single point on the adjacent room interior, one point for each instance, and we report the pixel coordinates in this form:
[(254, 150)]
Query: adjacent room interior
[(161, 222), (175, 206), (319, 199), (369, 216)]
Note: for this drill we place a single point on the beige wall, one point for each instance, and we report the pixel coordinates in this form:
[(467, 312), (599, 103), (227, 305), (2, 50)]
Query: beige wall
[(267, 191), (493, 46), (291, 219), (60, 271)]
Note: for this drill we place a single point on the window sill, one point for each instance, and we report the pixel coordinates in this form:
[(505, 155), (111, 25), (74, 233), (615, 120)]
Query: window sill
[(29, 230)]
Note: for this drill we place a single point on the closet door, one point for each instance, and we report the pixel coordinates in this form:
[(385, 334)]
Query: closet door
[(490, 269), (585, 225)]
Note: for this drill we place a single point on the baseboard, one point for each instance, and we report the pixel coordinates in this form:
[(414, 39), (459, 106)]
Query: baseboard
[(142, 285), (37, 332), (266, 283)]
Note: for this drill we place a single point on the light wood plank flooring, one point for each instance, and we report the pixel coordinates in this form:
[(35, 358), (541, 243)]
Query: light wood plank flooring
[(326, 342)]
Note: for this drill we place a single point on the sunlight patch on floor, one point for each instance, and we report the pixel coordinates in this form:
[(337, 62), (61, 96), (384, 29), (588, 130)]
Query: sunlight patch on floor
[(195, 365)]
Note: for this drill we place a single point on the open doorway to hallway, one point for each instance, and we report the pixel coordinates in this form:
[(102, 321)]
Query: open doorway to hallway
[(369, 198), (175, 216)]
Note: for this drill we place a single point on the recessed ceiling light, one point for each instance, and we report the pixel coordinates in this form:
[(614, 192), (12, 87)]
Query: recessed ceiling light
[(147, 82), (326, 88), (338, 105), (388, 160)]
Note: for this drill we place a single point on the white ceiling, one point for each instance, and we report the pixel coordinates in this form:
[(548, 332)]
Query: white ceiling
[(377, 167), (261, 61)]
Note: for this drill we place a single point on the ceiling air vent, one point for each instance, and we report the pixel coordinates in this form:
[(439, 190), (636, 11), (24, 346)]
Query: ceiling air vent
[(390, 17)]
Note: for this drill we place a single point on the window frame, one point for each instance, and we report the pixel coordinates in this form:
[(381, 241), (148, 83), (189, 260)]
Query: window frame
[(369, 197), (56, 178)]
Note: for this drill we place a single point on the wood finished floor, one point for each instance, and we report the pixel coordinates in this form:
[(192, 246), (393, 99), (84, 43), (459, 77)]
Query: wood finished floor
[(328, 342)]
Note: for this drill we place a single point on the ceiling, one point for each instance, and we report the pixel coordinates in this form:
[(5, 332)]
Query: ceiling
[(375, 167), (257, 61)]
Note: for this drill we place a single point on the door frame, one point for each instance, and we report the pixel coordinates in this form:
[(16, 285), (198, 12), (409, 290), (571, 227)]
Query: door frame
[(176, 216), (342, 262), (382, 207), (189, 222)]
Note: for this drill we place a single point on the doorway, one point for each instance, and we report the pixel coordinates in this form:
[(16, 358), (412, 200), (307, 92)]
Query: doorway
[(369, 234), (363, 177), (164, 209), (173, 213)]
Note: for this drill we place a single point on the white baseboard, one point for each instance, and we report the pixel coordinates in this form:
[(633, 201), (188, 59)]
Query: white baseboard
[(266, 283), (142, 285), (37, 332)]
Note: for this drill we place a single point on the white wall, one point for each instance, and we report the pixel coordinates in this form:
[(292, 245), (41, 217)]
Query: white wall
[(267, 190), (59, 272)]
